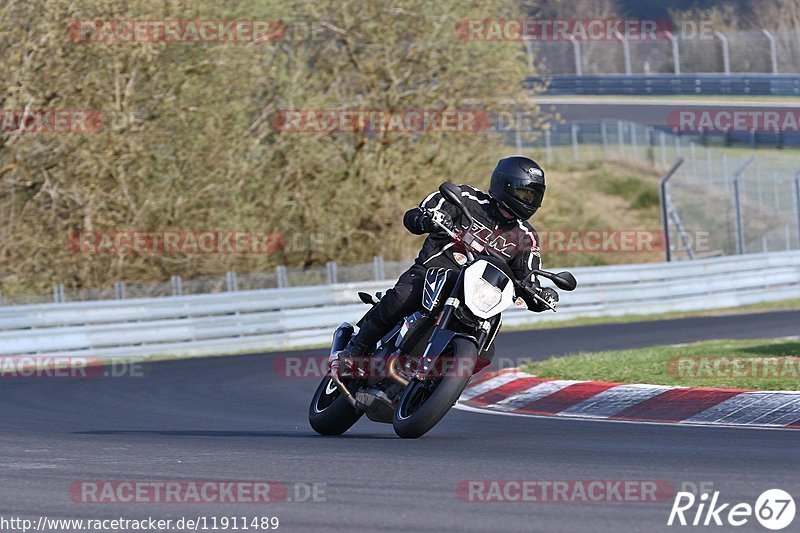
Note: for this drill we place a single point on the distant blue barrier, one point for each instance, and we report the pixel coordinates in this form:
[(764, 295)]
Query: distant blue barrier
[(671, 84)]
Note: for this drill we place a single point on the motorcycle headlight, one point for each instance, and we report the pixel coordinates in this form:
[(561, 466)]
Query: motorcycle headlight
[(486, 296)]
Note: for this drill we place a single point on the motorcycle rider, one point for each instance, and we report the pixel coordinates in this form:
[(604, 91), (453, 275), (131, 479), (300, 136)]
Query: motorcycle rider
[(500, 222)]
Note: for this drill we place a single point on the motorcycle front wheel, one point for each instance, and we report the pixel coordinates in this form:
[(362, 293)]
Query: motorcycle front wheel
[(424, 403)]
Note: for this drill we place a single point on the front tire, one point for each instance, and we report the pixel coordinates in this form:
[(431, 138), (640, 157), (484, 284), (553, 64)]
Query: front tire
[(424, 403), (330, 413)]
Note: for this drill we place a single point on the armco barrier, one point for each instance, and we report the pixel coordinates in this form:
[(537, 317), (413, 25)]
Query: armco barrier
[(671, 84), (285, 318)]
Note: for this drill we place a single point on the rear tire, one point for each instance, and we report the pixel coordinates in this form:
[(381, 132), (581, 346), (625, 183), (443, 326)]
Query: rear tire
[(420, 409), (330, 413)]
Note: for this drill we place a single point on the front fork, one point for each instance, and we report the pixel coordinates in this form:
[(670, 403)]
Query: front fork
[(443, 336)]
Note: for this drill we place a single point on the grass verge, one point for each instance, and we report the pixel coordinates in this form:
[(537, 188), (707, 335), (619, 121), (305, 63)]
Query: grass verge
[(782, 305), (761, 364)]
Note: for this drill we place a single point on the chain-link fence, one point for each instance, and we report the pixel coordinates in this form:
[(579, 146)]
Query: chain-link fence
[(752, 51), (720, 201), (723, 204)]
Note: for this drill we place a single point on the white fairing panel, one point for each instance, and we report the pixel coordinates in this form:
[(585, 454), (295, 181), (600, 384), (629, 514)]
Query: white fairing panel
[(474, 283)]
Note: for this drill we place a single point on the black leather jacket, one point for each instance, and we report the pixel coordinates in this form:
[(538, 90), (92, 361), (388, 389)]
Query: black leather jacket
[(516, 241)]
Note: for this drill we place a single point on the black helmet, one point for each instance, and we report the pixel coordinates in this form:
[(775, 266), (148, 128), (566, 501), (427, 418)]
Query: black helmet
[(518, 184)]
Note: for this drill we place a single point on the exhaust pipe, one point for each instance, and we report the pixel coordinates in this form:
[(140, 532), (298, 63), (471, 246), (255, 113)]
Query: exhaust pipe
[(341, 337), (392, 372)]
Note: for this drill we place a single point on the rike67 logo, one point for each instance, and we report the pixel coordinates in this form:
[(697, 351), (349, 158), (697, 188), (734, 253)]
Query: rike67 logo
[(774, 509)]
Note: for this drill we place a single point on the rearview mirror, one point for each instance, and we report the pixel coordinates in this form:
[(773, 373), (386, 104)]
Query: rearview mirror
[(451, 193), (565, 281)]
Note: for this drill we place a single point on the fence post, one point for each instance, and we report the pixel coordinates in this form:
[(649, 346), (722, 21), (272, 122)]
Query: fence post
[(676, 55), (626, 50), (738, 211), (773, 50), (280, 271), (726, 55), (177, 285), (548, 145), (664, 214), (634, 144), (576, 48), (119, 290), (662, 140), (737, 203), (231, 282), (377, 263), (620, 138), (574, 132), (58, 293), (529, 51), (331, 265), (797, 202), (604, 136)]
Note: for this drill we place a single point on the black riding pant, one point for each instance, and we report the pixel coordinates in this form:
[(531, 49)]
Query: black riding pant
[(400, 301)]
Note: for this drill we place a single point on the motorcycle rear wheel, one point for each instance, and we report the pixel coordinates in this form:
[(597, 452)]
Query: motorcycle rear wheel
[(330, 413)]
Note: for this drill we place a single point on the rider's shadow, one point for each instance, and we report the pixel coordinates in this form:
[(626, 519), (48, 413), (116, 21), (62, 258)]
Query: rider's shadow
[(226, 433)]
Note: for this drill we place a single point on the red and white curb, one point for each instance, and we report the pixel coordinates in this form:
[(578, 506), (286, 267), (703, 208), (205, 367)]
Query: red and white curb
[(514, 392)]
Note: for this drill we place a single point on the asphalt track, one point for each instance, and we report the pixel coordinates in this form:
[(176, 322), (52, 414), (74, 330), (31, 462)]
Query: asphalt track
[(233, 418)]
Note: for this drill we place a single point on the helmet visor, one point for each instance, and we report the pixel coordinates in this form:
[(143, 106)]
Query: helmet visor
[(527, 193)]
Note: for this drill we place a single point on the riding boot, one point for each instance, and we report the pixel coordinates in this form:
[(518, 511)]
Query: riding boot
[(354, 357)]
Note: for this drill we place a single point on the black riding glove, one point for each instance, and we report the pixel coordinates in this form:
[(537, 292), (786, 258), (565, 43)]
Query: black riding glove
[(534, 304), (428, 217), (548, 295)]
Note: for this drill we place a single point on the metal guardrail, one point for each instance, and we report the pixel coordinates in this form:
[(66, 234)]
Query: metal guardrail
[(671, 84), (303, 316)]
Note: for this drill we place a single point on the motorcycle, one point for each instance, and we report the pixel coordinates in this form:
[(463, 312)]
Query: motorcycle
[(419, 369)]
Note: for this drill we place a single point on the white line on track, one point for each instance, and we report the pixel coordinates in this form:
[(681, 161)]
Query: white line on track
[(471, 409)]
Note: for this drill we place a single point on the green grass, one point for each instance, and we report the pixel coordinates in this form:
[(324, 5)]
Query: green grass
[(748, 364), (639, 192), (783, 305)]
